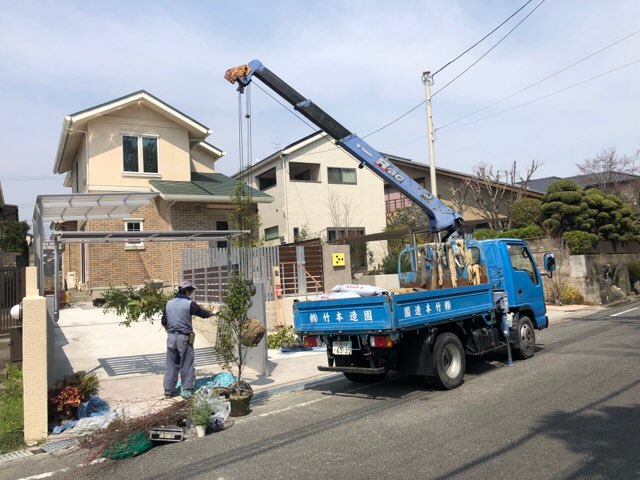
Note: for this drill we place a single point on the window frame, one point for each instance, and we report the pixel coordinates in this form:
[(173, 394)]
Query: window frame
[(140, 154), (138, 245), (342, 170), (276, 237)]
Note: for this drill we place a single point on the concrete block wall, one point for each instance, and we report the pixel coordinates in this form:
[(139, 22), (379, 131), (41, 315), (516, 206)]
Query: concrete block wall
[(601, 277)]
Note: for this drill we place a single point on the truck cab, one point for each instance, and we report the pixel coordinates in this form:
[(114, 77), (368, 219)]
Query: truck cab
[(511, 268)]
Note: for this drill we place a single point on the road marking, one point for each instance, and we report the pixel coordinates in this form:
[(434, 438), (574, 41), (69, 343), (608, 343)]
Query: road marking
[(51, 474), (626, 311)]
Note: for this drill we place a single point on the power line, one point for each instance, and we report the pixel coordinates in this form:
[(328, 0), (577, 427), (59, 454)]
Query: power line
[(539, 81), (547, 96), (468, 68), (27, 177), (481, 40), (292, 112), (487, 52)]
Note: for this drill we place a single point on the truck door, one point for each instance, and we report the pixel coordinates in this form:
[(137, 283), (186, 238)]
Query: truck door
[(526, 282)]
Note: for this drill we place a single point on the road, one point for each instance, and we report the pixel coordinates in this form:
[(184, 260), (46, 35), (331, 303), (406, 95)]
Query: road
[(570, 412)]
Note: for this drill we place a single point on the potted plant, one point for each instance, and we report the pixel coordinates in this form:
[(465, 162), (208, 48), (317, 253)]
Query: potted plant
[(200, 415), (236, 332)]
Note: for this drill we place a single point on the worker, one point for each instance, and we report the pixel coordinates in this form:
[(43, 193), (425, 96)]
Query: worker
[(176, 320)]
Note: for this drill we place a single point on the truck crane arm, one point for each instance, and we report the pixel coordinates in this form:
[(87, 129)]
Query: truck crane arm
[(441, 217)]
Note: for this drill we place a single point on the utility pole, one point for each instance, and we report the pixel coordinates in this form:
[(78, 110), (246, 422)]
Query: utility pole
[(426, 79)]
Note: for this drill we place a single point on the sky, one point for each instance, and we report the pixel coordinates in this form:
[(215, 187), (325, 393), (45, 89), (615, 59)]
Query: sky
[(359, 60)]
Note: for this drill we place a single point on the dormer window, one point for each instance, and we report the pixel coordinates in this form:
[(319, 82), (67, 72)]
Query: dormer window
[(139, 154)]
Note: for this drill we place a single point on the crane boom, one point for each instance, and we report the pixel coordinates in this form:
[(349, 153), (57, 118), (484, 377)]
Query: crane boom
[(441, 217)]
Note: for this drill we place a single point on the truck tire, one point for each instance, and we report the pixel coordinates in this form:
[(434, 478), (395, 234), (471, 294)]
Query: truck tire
[(364, 377), (526, 342), (448, 362)]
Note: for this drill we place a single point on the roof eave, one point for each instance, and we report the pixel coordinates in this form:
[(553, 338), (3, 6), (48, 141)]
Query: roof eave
[(176, 197)]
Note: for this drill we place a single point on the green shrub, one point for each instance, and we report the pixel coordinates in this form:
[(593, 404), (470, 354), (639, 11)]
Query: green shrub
[(485, 234), (12, 412), (525, 212), (580, 242), (571, 296), (134, 304), (284, 333), (531, 231)]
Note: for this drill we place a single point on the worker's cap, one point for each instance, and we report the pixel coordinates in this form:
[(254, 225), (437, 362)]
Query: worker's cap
[(187, 286)]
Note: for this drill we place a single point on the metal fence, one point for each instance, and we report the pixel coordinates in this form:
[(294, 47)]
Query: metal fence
[(12, 291), (208, 269)]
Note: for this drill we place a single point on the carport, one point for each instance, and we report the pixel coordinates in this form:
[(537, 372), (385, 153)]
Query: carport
[(105, 206)]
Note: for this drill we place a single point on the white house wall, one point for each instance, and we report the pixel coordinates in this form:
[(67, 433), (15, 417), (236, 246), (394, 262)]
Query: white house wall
[(306, 204)]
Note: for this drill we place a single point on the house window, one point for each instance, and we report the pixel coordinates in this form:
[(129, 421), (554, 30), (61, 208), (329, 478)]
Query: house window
[(139, 154), (267, 180), (222, 225), (342, 175), (271, 233), (133, 225), (304, 172)]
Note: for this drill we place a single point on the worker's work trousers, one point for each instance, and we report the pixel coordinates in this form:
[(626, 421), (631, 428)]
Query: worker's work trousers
[(179, 360)]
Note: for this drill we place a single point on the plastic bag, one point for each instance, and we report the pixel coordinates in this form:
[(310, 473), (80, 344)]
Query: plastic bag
[(335, 295), (93, 407), (361, 290)]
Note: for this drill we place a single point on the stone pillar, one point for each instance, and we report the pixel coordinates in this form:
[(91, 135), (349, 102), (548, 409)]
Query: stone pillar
[(34, 360)]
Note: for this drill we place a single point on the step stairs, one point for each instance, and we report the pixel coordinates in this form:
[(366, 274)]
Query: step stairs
[(79, 296)]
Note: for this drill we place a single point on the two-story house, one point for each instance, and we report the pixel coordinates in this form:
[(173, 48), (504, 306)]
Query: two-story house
[(138, 143), (320, 192)]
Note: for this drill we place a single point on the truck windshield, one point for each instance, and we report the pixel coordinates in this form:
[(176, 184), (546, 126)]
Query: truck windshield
[(521, 260)]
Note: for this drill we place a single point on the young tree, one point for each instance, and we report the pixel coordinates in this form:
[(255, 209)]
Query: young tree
[(605, 168), (495, 190), (244, 216)]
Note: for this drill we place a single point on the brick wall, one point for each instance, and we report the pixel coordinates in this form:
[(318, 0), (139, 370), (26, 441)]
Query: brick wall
[(116, 265)]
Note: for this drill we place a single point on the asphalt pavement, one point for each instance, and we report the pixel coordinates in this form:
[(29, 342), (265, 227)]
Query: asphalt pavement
[(569, 412)]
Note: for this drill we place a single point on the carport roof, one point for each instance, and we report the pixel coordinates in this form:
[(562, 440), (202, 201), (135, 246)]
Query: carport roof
[(133, 237), (89, 206)]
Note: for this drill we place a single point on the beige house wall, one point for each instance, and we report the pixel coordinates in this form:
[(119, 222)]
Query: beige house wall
[(105, 168), (201, 161)]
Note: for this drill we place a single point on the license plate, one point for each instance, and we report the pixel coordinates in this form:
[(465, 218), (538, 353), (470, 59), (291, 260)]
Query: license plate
[(341, 348)]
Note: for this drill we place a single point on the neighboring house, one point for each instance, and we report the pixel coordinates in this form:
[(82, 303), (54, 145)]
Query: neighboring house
[(138, 143), (447, 182), (625, 185), (320, 191)]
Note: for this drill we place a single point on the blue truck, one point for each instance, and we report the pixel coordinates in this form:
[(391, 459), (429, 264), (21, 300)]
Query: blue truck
[(493, 297)]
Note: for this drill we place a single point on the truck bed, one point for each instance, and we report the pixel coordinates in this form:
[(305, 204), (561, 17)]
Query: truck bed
[(387, 314)]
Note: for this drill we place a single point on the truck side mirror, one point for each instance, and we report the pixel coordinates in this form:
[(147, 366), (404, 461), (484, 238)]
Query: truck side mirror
[(549, 263)]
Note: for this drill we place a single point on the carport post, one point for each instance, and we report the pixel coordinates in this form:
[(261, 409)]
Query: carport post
[(56, 286)]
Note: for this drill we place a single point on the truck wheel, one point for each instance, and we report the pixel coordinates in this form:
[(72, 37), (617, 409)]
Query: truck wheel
[(364, 377), (448, 361), (526, 343)]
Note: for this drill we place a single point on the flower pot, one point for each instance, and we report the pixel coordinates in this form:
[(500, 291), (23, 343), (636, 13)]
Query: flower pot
[(239, 405), (201, 430)]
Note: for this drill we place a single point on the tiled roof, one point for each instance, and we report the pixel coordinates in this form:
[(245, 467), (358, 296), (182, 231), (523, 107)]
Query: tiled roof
[(541, 185), (588, 180), (204, 184)]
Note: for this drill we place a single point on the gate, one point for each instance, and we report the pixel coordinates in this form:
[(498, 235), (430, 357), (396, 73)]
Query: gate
[(301, 269), (12, 291), (208, 270)]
